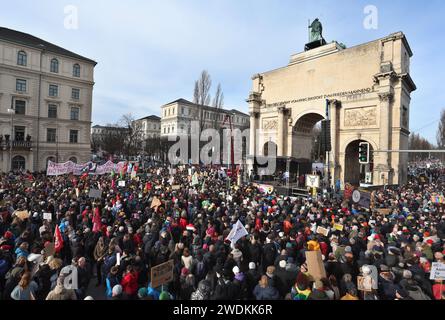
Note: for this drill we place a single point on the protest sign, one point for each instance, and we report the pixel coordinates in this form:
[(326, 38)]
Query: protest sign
[(364, 283), (121, 183), (315, 265), (22, 215), (437, 271), (95, 194), (384, 211), (162, 274), (312, 181), (322, 231), (47, 216), (176, 187), (50, 249), (238, 231), (155, 203), (338, 227)]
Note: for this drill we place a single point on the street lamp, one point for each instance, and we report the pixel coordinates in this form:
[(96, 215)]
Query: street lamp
[(11, 112)]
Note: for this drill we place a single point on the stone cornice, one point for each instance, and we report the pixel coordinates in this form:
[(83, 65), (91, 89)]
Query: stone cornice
[(386, 96), (406, 79)]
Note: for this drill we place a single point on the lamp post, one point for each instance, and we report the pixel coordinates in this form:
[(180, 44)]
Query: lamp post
[(11, 112)]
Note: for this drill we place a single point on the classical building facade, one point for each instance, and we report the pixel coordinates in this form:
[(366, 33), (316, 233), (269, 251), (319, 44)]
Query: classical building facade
[(150, 126), (363, 90), (45, 103), (176, 117)]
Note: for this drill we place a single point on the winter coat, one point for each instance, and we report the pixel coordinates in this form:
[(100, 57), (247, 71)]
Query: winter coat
[(267, 293), (60, 293)]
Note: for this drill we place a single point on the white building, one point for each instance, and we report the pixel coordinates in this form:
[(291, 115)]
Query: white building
[(176, 117), (151, 126), (45, 103)]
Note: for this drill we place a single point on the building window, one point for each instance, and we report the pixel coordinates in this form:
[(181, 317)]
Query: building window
[(18, 163), (20, 107), (20, 85), (54, 65), (51, 135), (75, 94), (52, 111), (21, 58), (19, 133), (74, 134), (76, 70), (53, 90), (165, 130), (73, 159), (74, 113)]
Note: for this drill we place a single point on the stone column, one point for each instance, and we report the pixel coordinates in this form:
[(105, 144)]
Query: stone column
[(253, 133), (254, 101), (334, 106), (385, 112), (282, 132)]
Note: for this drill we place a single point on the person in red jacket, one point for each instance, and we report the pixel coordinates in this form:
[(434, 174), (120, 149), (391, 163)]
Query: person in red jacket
[(129, 283)]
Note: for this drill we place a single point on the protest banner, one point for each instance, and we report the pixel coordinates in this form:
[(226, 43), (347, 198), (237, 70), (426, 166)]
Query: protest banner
[(69, 167), (315, 265), (437, 271), (95, 194), (162, 274), (322, 231)]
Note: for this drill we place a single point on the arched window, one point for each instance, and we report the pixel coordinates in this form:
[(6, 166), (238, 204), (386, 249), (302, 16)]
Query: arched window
[(73, 159), (21, 58), (54, 65), (18, 162), (76, 70)]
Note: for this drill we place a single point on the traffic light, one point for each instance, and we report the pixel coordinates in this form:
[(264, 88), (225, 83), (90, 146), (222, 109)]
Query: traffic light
[(363, 152), (325, 136)]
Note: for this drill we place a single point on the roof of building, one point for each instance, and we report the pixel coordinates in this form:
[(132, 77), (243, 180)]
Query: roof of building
[(97, 126), (31, 41), (152, 117), (184, 101)]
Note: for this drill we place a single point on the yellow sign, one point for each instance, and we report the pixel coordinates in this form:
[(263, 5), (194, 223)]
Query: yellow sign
[(338, 226)]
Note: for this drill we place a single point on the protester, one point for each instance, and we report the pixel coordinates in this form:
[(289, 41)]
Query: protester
[(187, 214)]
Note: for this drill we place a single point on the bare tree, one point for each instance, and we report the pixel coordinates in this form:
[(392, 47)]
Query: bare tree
[(441, 131), (201, 94), (134, 135), (416, 142), (218, 103)]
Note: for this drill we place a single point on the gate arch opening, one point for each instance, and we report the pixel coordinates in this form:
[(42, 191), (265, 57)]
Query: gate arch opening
[(306, 143)]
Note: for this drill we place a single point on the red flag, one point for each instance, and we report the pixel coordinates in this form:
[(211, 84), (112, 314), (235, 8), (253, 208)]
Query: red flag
[(113, 184), (58, 240)]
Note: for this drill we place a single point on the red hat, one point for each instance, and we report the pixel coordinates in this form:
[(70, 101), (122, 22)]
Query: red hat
[(184, 272), (429, 241), (376, 237), (8, 235)]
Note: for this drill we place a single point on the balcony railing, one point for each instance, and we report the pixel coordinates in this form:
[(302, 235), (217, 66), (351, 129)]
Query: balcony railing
[(15, 144)]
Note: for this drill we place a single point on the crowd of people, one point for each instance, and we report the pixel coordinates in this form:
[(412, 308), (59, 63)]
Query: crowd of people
[(185, 214)]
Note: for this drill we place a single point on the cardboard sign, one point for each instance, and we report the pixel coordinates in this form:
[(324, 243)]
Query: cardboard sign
[(322, 231), (437, 271), (384, 211), (95, 194), (338, 227), (121, 183), (47, 216), (162, 274), (176, 187), (364, 283), (22, 215), (155, 203), (50, 249), (118, 259), (315, 265)]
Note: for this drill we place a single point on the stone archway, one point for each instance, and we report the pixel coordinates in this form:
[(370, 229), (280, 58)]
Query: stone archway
[(355, 172), (302, 135)]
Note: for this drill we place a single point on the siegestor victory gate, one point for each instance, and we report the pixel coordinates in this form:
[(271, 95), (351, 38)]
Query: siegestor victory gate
[(363, 90)]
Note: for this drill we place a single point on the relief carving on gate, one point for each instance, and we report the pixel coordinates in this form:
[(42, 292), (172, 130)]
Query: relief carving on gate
[(270, 124), (361, 117)]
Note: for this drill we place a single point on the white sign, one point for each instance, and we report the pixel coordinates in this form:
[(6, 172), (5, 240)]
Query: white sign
[(312, 181), (356, 196), (47, 216), (238, 231), (118, 259), (437, 271), (121, 183)]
